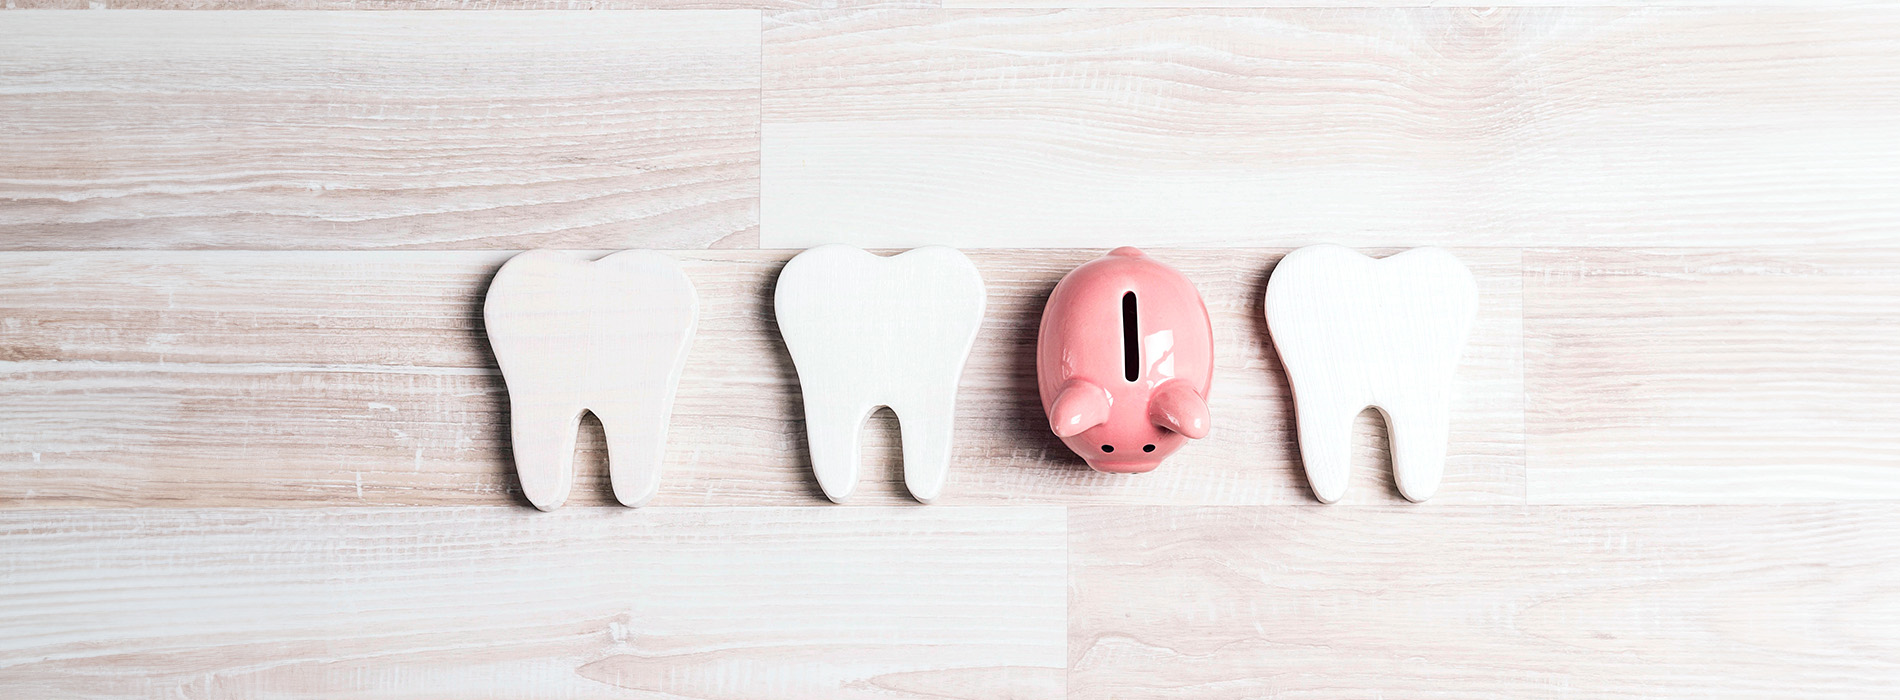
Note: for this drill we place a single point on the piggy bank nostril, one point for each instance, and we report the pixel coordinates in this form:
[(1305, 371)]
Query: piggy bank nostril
[(1108, 448), (1147, 448)]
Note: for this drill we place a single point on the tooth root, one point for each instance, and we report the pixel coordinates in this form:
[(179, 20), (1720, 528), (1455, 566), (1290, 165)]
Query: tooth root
[(1325, 438), (926, 436), (636, 449), (543, 440), (608, 336), (1353, 332), (1420, 432), (866, 331), (831, 433)]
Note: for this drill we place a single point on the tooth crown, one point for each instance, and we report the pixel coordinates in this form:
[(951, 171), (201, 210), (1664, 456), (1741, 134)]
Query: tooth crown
[(866, 331), (1354, 332), (1086, 349), (609, 336)]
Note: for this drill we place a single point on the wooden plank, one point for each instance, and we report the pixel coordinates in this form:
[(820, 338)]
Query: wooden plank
[(500, 603), (1372, 127), (482, 5), (461, 5), (244, 379), (1698, 376), (378, 130), (1355, 4), (1723, 601), (516, 5)]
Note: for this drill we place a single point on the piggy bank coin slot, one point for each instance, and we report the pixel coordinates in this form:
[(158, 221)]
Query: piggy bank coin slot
[(1131, 332)]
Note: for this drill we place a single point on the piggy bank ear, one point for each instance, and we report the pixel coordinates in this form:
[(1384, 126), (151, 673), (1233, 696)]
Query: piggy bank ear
[(1080, 406), (1177, 408)]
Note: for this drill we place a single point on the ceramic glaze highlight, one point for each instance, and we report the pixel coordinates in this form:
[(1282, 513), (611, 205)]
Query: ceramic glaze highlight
[(1124, 360)]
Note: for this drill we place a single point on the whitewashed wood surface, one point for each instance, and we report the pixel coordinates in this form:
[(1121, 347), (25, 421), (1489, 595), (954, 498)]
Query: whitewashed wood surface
[(1732, 602), (1383, 127), (1712, 376), (509, 603), (280, 468), (378, 130)]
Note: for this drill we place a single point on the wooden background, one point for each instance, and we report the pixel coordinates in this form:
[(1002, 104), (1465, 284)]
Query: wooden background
[(253, 445)]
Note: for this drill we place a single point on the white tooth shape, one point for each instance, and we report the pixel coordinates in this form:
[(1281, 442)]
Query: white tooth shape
[(1354, 332), (573, 336), (867, 331)]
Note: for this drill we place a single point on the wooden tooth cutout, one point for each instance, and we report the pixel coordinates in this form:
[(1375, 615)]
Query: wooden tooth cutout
[(866, 331), (608, 336), (1354, 332)]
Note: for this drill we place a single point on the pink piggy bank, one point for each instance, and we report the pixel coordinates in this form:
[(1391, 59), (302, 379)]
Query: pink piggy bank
[(1124, 360)]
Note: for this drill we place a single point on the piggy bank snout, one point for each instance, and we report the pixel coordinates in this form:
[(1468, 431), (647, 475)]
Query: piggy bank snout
[(1128, 441), (1129, 457), (1083, 408)]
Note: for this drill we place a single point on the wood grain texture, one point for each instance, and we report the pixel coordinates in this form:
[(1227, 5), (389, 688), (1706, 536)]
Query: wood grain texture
[(378, 130), (179, 429), (1426, 602), (1712, 376), (1379, 127), (245, 379), (463, 5), (1359, 4), (506, 603), (482, 5)]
